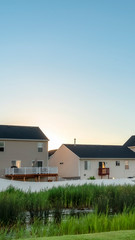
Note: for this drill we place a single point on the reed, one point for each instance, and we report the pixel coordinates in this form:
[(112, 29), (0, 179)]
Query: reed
[(91, 223), (103, 199), (11, 206)]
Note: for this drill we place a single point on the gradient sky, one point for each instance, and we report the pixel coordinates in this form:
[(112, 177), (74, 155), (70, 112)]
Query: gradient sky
[(68, 66)]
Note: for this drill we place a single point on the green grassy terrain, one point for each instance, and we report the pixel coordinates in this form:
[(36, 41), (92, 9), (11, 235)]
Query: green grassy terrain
[(118, 235)]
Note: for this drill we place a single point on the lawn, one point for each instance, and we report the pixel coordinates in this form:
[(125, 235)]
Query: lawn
[(118, 235)]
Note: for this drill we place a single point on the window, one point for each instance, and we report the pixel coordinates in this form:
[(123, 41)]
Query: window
[(101, 164), (39, 163), (40, 147), (117, 163), (16, 163), (2, 145), (33, 163), (13, 163), (126, 165), (86, 165)]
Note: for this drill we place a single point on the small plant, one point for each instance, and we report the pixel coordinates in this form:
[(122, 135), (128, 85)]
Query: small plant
[(91, 178)]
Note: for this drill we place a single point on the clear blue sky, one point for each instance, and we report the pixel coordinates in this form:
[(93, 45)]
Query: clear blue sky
[(68, 66)]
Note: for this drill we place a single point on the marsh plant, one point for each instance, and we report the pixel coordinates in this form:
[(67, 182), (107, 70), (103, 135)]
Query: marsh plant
[(91, 223), (104, 199)]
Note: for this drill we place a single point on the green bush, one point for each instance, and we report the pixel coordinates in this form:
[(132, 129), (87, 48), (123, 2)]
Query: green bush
[(91, 178)]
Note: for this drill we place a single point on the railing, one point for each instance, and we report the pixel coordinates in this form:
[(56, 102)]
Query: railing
[(31, 170), (103, 171)]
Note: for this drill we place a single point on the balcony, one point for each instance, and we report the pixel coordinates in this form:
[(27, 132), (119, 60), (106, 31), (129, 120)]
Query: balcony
[(103, 172), (31, 172)]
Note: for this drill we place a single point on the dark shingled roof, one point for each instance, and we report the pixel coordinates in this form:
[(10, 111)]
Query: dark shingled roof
[(51, 152), (21, 132), (130, 142), (100, 151)]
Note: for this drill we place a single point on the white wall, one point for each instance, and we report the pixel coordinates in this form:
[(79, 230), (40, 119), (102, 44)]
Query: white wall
[(115, 171), (132, 148), (66, 161)]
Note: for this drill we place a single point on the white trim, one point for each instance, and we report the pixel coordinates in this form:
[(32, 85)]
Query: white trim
[(28, 140)]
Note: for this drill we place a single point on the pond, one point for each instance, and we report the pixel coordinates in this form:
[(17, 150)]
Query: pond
[(55, 215)]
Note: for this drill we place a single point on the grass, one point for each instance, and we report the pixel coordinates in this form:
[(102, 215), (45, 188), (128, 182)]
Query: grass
[(105, 200), (91, 223), (119, 235), (86, 196), (114, 211)]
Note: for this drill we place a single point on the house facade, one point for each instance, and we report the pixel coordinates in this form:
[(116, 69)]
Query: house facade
[(78, 161), (22, 146)]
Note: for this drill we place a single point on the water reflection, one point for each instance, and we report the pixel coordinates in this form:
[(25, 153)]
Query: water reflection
[(55, 215)]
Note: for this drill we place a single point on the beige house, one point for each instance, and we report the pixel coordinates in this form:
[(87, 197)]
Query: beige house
[(75, 161), (23, 151)]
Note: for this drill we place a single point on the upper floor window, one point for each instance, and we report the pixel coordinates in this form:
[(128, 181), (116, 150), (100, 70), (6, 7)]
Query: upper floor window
[(117, 163), (2, 146), (40, 147)]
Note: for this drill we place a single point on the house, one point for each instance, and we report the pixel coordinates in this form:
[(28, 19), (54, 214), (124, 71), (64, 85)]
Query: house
[(78, 161), (23, 151)]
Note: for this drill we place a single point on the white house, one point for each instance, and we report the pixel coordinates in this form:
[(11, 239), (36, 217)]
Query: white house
[(78, 161)]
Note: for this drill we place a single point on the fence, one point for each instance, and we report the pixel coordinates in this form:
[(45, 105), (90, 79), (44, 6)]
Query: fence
[(31, 170)]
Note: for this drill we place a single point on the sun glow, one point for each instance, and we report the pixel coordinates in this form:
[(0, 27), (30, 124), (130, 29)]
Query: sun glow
[(54, 140)]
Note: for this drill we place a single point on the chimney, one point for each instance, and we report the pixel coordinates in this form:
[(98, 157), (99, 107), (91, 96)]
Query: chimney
[(74, 141)]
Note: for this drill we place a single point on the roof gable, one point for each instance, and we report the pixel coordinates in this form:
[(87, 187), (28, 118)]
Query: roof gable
[(100, 151), (21, 132), (51, 152), (130, 142)]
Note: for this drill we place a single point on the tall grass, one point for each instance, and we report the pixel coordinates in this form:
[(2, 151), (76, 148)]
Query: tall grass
[(12, 205), (105, 199), (91, 223)]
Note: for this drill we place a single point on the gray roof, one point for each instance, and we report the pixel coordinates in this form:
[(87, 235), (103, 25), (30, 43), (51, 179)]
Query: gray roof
[(51, 152), (21, 132), (130, 142), (100, 151)]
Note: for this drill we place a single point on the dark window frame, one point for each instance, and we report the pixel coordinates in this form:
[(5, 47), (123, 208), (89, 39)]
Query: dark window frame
[(117, 163), (2, 146)]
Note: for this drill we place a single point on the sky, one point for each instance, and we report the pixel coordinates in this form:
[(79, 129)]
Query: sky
[(68, 66)]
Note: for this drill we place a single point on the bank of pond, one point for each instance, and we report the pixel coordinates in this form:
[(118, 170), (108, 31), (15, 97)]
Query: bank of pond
[(66, 210)]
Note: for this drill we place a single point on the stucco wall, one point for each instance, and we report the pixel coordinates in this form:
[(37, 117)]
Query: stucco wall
[(26, 151), (115, 171), (66, 161)]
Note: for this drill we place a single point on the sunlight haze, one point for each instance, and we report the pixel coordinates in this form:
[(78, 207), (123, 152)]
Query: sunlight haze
[(68, 66)]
